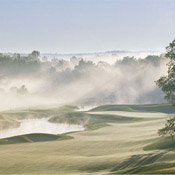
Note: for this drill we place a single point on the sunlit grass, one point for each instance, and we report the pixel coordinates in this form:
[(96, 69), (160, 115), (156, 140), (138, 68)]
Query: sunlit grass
[(111, 140)]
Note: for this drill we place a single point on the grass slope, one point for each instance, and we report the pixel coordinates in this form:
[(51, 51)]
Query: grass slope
[(35, 137), (164, 108), (161, 143), (138, 161), (116, 148), (156, 168)]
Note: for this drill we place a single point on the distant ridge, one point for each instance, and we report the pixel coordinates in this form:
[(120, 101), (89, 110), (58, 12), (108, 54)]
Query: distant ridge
[(112, 52)]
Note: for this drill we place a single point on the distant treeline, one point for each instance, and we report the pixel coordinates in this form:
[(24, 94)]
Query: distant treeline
[(127, 81), (17, 65)]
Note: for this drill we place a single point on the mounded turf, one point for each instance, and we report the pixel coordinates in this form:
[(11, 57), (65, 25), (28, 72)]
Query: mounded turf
[(35, 137), (164, 108), (156, 168), (161, 143), (113, 142)]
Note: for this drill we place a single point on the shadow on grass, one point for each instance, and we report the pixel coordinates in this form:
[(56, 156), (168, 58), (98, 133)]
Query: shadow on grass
[(36, 137), (156, 168), (163, 143), (138, 161)]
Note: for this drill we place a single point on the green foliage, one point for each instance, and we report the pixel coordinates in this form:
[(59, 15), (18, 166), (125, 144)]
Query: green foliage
[(169, 128), (35, 54), (17, 65), (167, 83)]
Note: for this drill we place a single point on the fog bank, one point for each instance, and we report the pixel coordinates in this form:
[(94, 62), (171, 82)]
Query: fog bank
[(27, 81)]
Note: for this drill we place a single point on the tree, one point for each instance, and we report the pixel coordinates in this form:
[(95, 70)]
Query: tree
[(167, 83), (169, 128), (35, 54)]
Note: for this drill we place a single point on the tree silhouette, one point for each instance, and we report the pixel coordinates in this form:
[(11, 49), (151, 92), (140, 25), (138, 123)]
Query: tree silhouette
[(169, 128), (167, 83)]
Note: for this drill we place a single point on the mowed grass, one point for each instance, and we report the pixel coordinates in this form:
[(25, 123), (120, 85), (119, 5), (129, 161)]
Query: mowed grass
[(164, 108), (156, 168), (116, 148), (162, 143)]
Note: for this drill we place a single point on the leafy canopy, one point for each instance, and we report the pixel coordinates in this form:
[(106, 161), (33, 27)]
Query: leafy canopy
[(169, 128), (167, 83)]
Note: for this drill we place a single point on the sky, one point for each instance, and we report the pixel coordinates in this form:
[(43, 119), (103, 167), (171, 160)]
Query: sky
[(82, 26)]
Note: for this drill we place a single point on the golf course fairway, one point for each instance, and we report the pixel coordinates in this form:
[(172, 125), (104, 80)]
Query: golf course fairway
[(116, 140)]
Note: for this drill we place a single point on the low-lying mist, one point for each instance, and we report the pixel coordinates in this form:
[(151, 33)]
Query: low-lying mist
[(27, 81), (40, 126)]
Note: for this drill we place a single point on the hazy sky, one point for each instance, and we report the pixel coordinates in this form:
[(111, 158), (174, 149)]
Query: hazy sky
[(69, 26)]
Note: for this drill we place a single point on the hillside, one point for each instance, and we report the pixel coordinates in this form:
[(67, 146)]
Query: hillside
[(164, 108)]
